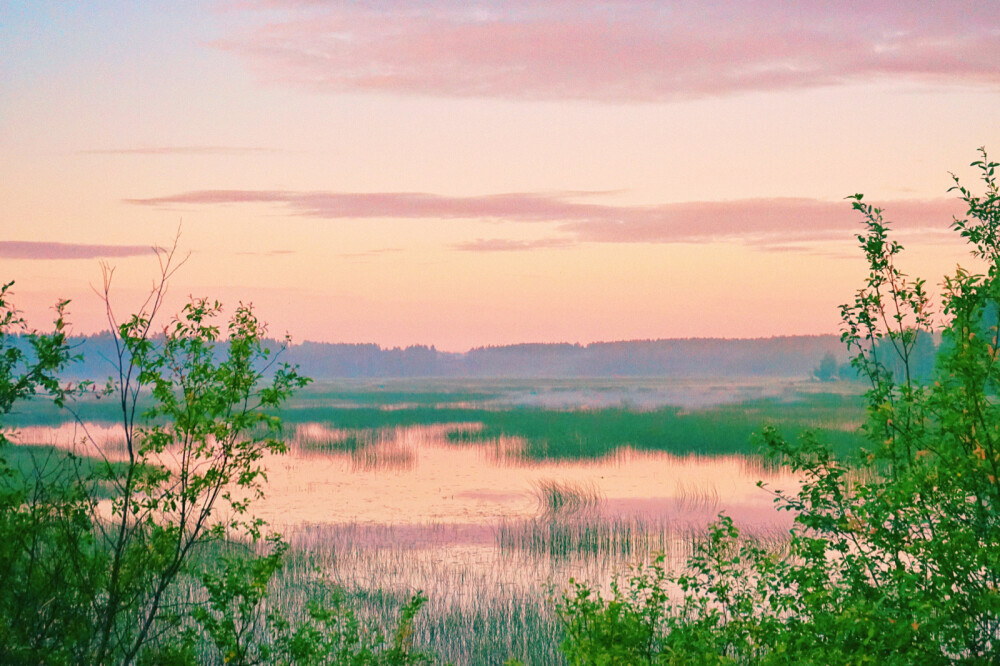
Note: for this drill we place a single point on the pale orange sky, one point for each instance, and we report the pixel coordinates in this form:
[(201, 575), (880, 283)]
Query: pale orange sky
[(471, 173)]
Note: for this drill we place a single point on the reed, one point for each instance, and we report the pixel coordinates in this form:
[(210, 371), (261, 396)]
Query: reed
[(557, 498), (490, 584), (614, 539)]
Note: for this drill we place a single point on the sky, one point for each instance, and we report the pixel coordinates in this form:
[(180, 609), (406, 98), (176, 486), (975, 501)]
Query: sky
[(463, 173)]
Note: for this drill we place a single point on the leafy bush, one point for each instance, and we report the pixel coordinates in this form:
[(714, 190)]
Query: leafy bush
[(895, 556), (43, 598), (84, 585)]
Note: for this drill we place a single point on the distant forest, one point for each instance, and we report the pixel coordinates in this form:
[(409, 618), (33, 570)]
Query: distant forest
[(788, 356)]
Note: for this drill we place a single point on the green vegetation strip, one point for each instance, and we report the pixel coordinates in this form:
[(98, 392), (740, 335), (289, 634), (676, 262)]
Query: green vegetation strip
[(559, 433), (33, 466), (567, 434)]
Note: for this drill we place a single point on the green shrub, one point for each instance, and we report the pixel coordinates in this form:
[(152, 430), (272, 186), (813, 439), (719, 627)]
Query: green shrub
[(895, 556), (196, 401)]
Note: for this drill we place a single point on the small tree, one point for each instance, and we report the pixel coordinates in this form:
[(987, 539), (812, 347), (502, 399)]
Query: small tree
[(827, 369), (85, 585), (24, 372), (198, 440), (197, 412)]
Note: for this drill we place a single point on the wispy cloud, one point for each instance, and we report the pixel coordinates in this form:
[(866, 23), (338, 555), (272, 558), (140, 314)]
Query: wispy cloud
[(178, 150), (508, 245), (368, 254), (616, 50), (518, 206), (760, 222), (266, 253), (42, 250)]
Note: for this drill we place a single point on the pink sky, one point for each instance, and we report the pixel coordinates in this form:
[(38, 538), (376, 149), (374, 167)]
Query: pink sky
[(470, 173)]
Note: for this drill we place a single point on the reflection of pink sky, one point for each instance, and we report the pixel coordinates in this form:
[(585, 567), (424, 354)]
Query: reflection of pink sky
[(436, 525), (434, 517), (473, 484), (85, 439), (414, 477)]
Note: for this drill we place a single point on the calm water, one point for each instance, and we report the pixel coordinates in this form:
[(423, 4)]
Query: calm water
[(475, 525), (412, 489)]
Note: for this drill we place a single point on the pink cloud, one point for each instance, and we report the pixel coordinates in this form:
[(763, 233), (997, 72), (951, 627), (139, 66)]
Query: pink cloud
[(524, 207), (178, 150), (756, 221), (759, 222), (371, 253), (508, 245), (267, 253), (617, 50), (42, 250)]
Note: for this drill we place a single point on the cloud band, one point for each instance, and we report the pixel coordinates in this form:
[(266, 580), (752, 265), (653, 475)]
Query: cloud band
[(763, 221)]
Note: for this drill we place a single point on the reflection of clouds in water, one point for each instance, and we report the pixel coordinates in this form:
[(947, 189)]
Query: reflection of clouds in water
[(416, 476), (394, 510), (442, 482)]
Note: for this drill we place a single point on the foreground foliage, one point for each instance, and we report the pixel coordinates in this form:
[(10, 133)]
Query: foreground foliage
[(98, 549), (895, 556)]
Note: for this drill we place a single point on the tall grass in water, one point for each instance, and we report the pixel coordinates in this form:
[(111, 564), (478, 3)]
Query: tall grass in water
[(728, 429), (615, 539), (483, 607), (564, 497), (370, 448), (487, 602), (695, 497)]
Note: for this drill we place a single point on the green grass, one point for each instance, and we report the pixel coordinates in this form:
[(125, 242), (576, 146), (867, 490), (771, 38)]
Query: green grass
[(612, 538), (571, 434), (549, 433), (493, 632), (564, 497), (55, 468), (40, 411), (593, 433), (379, 396)]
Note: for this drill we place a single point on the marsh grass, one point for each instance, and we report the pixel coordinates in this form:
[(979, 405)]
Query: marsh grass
[(53, 468), (490, 585), (566, 433), (488, 601), (697, 497), (618, 538), (40, 411), (370, 449), (476, 614), (557, 498), (574, 434)]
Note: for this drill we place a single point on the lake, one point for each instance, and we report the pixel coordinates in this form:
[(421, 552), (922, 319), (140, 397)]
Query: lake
[(492, 526)]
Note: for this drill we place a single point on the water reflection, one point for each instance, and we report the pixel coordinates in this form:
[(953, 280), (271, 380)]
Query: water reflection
[(415, 476), (479, 526)]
